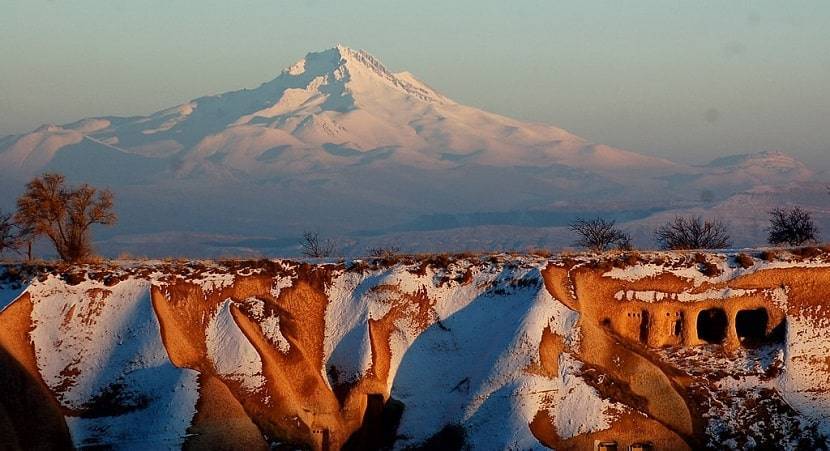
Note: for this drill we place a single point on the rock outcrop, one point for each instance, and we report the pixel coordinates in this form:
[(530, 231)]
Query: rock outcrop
[(680, 350)]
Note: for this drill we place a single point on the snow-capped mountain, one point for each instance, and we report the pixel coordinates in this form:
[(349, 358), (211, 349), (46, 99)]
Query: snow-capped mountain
[(340, 143), (335, 107), (763, 168)]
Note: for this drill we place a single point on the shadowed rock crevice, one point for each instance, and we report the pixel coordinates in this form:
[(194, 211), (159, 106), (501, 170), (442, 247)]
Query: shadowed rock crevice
[(30, 416), (380, 425)]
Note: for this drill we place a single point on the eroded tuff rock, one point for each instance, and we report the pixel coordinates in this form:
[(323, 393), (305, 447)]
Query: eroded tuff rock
[(685, 351)]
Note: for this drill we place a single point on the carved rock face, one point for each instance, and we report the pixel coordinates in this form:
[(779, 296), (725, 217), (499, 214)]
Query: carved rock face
[(478, 351)]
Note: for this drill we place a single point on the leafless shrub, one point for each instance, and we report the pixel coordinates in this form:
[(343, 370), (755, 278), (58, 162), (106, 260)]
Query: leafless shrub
[(64, 215), (692, 233), (315, 247), (600, 234), (385, 252), (793, 226), (15, 237)]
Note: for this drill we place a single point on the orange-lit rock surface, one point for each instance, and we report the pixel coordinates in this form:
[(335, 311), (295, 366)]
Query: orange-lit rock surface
[(683, 350)]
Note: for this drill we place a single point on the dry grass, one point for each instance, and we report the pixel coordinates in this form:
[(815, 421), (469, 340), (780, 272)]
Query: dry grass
[(744, 261), (627, 259), (125, 256), (541, 252), (807, 253), (769, 255)]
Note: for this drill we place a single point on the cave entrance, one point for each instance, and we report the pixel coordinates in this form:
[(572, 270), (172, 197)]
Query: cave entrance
[(644, 326), (711, 325), (751, 326), (677, 330)]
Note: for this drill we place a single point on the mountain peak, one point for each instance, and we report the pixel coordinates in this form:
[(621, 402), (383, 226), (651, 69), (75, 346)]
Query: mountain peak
[(359, 66), (331, 59), (347, 52), (334, 108), (46, 128)]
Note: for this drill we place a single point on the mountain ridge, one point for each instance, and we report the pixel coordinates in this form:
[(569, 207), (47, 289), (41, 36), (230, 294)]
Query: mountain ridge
[(340, 143), (346, 98)]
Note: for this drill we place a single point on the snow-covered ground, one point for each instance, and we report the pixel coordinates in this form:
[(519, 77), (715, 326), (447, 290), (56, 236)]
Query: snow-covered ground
[(465, 347), (99, 350)]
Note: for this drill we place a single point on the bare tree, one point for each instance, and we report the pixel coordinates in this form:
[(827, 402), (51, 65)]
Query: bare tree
[(63, 214), (314, 247), (693, 233), (793, 226), (600, 234), (14, 237), (9, 240), (25, 239)]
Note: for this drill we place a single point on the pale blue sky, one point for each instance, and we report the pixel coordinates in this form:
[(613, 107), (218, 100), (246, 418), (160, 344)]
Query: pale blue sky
[(689, 80)]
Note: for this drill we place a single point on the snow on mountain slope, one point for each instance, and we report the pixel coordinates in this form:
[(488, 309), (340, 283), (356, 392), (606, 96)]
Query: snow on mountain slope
[(773, 161), (338, 97), (32, 152), (339, 143), (746, 171)]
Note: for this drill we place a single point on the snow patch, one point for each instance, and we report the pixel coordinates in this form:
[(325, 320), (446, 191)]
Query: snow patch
[(94, 342), (214, 281), (281, 284), (805, 381), (346, 344), (233, 356), (471, 368), (269, 324), (651, 296)]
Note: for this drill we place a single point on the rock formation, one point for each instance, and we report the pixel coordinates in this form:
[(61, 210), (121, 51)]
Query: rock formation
[(680, 350)]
